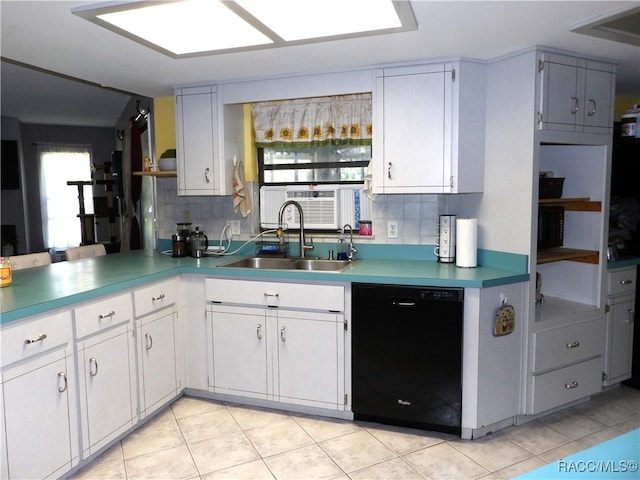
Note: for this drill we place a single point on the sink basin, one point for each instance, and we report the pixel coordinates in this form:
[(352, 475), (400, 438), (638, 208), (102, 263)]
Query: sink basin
[(309, 264)]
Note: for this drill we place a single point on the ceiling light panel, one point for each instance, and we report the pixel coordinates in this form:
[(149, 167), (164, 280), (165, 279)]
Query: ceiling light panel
[(187, 27), (295, 20)]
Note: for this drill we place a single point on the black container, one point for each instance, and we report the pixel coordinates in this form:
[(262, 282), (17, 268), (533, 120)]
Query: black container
[(551, 187)]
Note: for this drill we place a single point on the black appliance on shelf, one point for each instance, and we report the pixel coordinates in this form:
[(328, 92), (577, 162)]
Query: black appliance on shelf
[(407, 356), (625, 184)]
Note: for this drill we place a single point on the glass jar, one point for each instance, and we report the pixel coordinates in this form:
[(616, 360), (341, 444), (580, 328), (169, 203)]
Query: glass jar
[(5, 272)]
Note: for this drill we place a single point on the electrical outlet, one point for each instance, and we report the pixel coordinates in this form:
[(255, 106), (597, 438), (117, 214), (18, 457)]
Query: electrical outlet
[(235, 227), (392, 229)]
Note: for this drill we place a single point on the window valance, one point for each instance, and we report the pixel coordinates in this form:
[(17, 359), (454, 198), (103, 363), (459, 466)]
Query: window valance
[(335, 120)]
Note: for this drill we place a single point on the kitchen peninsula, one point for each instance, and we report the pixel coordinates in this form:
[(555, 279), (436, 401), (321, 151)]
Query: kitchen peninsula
[(56, 319)]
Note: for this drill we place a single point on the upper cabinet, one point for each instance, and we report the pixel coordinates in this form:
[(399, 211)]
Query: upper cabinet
[(201, 170), (576, 95), (429, 129)]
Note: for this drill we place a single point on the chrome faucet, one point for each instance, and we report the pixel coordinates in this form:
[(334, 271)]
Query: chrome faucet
[(352, 250), (303, 244)]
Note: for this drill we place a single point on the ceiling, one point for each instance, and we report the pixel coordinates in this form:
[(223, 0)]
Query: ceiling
[(46, 35)]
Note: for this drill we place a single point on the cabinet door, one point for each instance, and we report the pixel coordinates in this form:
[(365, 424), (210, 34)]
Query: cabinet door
[(561, 102), (106, 368), (39, 412), (618, 358), (158, 380), (597, 100), (196, 141), (310, 346), (239, 353), (415, 122)]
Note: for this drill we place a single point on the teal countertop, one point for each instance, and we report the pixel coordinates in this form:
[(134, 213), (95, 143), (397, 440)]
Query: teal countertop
[(41, 289), (623, 262)]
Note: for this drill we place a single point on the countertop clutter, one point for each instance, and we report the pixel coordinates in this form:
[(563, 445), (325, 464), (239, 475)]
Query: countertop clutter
[(40, 289)]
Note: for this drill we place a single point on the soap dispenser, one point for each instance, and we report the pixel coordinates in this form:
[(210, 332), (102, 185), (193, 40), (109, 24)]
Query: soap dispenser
[(342, 248)]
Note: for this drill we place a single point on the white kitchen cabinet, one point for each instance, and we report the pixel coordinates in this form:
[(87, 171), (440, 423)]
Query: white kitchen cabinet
[(278, 341), (576, 94), (158, 332), (429, 129), (106, 370), (620, 320), (38, 402), (200, 166)]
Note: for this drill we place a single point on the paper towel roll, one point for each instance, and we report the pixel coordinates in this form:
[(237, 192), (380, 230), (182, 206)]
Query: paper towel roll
[(467, 242)]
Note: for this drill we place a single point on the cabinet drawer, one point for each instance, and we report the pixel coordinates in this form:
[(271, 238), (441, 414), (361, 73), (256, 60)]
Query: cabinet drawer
[(276, 294), (155, 296), (562, 346), (621, 281), (567, 384), (33, 336), (102, 314)]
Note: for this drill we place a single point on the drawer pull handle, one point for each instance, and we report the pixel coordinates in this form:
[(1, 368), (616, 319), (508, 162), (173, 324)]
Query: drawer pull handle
[(102, 316), (159, 297), (93, 367), (389, 171), (267, 294), (259, 331), (148, 341), (282, 336), (626, 282), (63, 376), (29, 341), (592, 110), (576, 105), (571, 385), (573, 344), (630, 318)]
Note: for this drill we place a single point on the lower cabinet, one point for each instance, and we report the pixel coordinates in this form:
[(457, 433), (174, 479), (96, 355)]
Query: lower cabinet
[(108, 395), (620, 320), (280, 352), (157, 362), (38, 404)]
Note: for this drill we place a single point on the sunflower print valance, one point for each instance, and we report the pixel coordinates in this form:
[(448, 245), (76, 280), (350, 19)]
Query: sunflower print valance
[(335, 120)]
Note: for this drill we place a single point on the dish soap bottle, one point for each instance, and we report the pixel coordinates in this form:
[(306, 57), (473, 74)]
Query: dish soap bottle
[(342, 248), (5, 272)]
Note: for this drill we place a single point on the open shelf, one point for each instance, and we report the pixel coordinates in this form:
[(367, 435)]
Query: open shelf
[(160, 174), (558, 254), (573, 204)]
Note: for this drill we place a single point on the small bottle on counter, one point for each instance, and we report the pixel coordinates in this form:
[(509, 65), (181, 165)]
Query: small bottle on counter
[(342, 247), (5, 272)]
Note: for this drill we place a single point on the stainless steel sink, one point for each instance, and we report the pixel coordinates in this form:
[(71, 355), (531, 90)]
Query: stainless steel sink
[(309, 264)]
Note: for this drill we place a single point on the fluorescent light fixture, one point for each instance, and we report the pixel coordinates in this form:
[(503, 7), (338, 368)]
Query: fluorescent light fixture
[(182, 28), (298, 19)]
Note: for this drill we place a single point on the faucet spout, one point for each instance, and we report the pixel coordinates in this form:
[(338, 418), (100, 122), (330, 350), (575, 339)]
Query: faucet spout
[(302, 241), (352, 249)]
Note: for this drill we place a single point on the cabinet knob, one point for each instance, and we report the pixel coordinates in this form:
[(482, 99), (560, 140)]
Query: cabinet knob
[(626, 282), (630, 317), (573, 344), (571, 385)]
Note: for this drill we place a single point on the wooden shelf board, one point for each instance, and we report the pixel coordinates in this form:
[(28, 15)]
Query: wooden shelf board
[(549, 255), (574, 204), (161, 174)]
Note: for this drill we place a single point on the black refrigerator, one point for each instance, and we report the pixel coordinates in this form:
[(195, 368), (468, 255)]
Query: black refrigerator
[(625, 191)]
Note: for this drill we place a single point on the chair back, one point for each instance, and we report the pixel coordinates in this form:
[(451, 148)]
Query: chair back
[(85, 251), (30, 260)]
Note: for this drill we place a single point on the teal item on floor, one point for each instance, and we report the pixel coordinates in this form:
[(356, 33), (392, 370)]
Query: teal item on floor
[(615, 459)]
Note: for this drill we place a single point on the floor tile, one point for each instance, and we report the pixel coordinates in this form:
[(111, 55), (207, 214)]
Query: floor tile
[(256, 470), (251, 417), (563, 451), (307, 462), (159, 434), (186, 406), (321, 429), (405, 440), (207, 425), (536, 437), (112, 470), (493, 452), (356, 451), (608, 413), (278, 437), (224, 451), (571, 423), (171, 464), (443, 462), (394, 469), (520, 468)]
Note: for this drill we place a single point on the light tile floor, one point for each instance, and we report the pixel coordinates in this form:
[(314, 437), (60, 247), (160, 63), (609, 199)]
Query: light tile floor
[(208, 440)]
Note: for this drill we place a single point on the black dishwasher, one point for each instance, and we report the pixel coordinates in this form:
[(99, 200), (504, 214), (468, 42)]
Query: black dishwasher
[(407, 355)]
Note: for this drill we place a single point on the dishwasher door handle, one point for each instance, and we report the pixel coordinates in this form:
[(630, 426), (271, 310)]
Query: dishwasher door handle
[(404, 303)]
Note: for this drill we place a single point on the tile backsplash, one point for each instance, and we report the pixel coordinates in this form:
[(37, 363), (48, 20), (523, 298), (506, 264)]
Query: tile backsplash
[(417, 215)]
